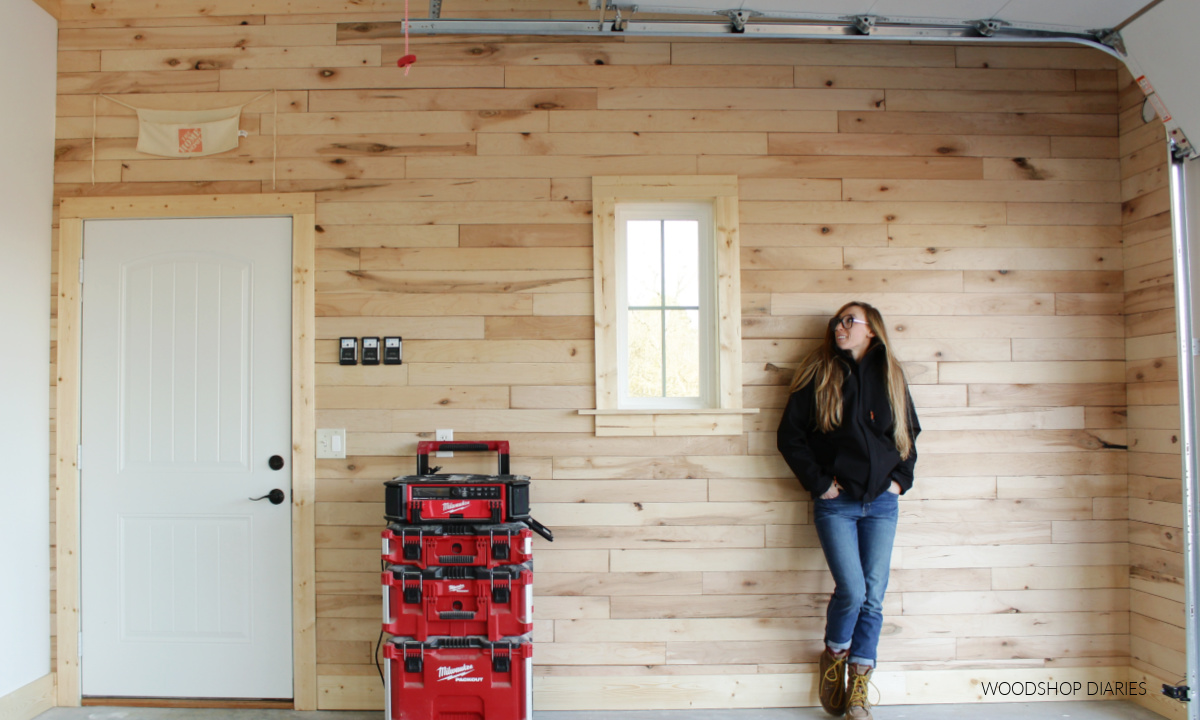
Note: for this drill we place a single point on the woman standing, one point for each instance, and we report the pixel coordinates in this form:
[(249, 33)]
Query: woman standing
[(848, 434)]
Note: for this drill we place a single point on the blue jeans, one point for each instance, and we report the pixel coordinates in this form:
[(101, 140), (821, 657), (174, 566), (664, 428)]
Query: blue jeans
[(857, 538)]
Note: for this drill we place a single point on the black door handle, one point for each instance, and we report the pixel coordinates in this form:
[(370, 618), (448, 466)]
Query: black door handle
[(276, 462), (275, 496)]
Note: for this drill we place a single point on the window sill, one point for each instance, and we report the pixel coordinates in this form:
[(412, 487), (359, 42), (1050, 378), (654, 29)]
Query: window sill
[(666, 423)]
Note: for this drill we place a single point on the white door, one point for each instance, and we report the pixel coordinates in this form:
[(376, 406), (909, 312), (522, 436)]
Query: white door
[(186, 395)]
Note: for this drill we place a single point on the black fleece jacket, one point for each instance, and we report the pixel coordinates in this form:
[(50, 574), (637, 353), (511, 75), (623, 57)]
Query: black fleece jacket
[(861, 452)]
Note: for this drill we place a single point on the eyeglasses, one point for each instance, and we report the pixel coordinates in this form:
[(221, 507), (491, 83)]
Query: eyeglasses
[(846, 321)]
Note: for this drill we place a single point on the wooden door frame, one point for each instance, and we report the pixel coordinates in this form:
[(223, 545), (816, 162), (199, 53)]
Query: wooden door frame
[(72, 213)]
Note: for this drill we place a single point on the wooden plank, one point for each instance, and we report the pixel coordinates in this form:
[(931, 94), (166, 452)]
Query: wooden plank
[(524, 235), (624, 98), (1039, 578), (80, 61), (994, 123), (1034, 349), (1042, 281), (450, 281), (502, 373), (981, 191), (66, 474), (1032, 372), (1000, 57), (539, 328), (981, 258), (834, 143), (901, 78), (1084, 147), (75, 106), (657, 76), (304, 640), (847, 166), (784, 53), (325, 78), (229, 58), (513, 54), (136, 82), (1000, 236), (29, 700), (411, 397), (459, 99), (179, 38), (611, 143), (975, 101), (795, 121), (449, 213), (325, 123), (549, 167), (445, 328)]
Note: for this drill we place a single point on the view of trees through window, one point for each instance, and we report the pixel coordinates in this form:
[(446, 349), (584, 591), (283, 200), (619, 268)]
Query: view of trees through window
[(663, 320)]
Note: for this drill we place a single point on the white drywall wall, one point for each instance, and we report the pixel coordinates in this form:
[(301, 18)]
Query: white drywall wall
[(1161, 47), (28, 47)]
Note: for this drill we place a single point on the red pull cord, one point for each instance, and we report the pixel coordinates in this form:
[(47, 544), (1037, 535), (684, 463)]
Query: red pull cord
[(408, 59)]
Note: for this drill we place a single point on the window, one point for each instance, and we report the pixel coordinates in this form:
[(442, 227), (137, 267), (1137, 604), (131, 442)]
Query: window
[(665, 319), (668, 320)]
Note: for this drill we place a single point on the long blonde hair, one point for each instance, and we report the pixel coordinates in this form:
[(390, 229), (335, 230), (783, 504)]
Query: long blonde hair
[(824, 369)]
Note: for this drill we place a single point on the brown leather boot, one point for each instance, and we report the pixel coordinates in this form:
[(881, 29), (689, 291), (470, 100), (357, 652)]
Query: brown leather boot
[(858, 707), (833, 681)]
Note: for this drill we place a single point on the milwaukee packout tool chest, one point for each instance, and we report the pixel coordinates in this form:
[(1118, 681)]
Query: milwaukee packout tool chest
[(431, 499), (458, 591), (470, 545), (458, 601), (459, 678)]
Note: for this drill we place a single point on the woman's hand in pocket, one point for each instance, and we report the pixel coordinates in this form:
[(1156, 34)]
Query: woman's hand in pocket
[(833, 491), (894, 488)]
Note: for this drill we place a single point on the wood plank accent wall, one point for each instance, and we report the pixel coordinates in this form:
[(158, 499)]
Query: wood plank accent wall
[(1157, 622), (973, 193)]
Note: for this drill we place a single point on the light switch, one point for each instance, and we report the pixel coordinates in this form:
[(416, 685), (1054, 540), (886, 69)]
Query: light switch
[(331, 442)]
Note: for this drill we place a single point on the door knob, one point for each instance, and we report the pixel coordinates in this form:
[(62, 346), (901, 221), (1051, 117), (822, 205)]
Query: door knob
[(275, 496), (276, 462)]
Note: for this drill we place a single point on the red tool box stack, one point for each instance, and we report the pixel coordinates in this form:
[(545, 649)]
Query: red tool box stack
[(458, 591)]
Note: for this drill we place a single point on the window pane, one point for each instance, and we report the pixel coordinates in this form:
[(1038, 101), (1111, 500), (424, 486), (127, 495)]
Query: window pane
[(643, 252), (644, 336), (682, 239), (683, 353)]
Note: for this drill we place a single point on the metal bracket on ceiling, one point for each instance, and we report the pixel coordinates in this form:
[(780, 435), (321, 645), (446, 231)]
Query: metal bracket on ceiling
[(620, 24), (1111, 38), (435, 9), (1181, 148), (988, 28), (738, 18), (864, 24)]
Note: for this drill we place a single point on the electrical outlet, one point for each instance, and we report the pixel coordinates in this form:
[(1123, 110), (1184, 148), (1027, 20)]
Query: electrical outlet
[(331, 442), (444, 436)]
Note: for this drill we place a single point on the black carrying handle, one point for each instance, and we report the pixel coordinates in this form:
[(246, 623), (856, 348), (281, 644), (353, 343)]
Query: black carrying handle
[(539, 528), (425, 447)]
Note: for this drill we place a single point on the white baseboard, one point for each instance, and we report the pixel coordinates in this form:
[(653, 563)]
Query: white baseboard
[(29, 701)]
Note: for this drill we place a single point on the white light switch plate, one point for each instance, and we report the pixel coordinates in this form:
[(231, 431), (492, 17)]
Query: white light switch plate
[(444, 436), (331, 442)]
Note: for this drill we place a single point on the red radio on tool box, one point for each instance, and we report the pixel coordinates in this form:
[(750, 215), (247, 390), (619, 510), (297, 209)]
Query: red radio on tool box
[(468, 545), (459, 678), (426, 498), (458, 601)]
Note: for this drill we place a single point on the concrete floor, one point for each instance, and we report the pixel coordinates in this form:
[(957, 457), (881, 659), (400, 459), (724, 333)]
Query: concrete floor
[(1110, 710)]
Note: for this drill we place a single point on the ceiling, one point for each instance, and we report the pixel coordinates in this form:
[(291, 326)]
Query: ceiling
[(1079, 16)]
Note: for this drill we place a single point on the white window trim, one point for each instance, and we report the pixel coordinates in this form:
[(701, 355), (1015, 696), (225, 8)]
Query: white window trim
[(724, 417), (702, 213)]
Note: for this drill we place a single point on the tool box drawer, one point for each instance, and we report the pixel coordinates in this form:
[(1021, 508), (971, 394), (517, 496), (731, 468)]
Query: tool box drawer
[(458, 601)]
